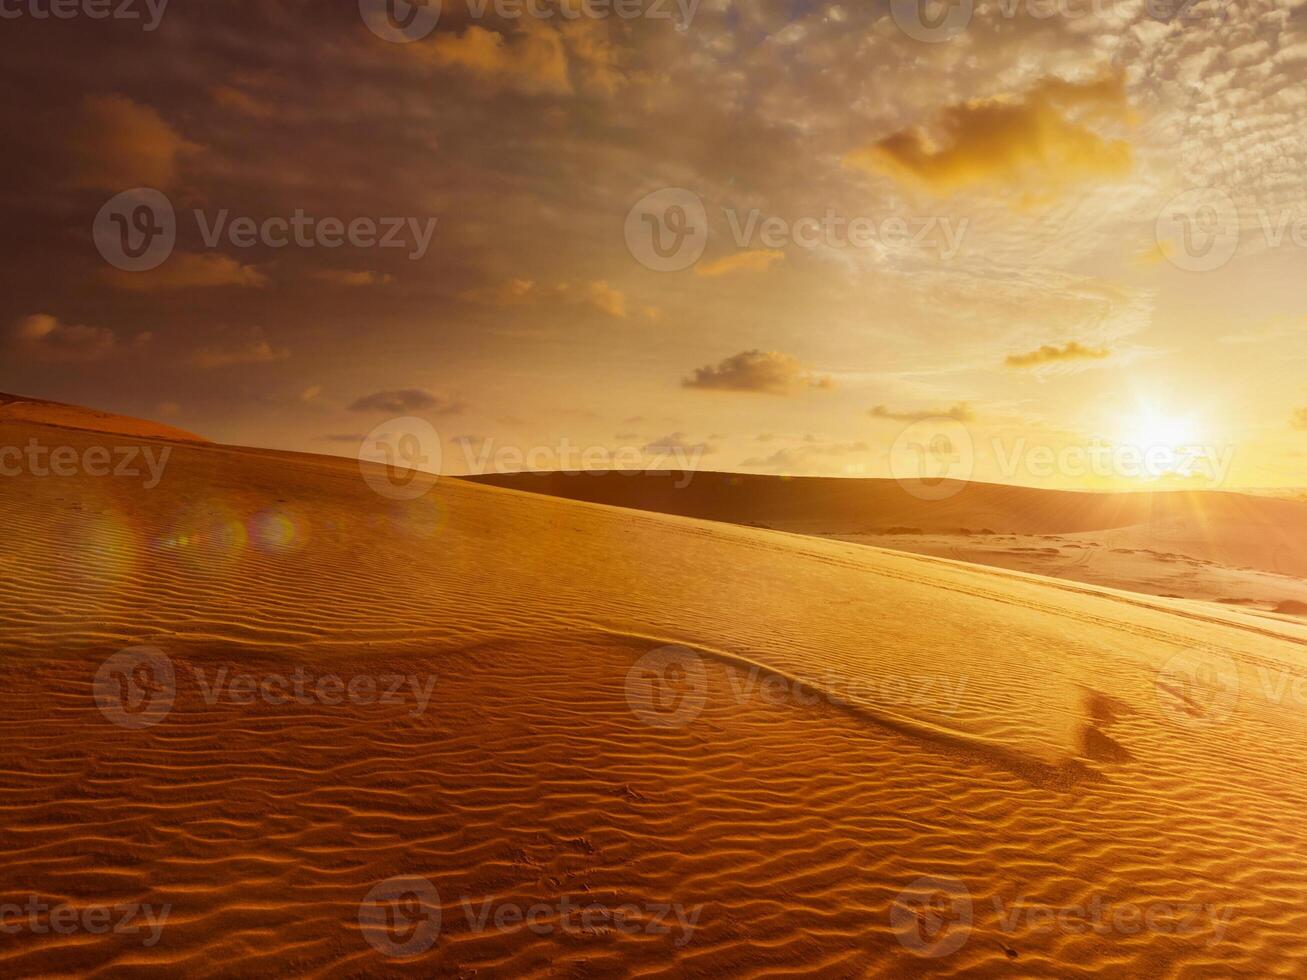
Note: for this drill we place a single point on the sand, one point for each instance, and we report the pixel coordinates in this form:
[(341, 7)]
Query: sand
[(837, 732), (1235, 548)]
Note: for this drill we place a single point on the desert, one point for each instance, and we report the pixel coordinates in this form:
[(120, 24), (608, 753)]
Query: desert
[(743, 751)]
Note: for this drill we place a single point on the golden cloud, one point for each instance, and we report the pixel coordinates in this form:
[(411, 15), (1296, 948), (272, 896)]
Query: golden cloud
[(120, 144), (592, 292), (1041, 139), (254, 352), (43, 337), (534, 58), (769, 372), (1048, 354), (753, 260), (353, 277), (189, 270)]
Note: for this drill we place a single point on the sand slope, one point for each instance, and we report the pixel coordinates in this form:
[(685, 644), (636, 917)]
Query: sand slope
[(997, 525), (856, 720), (16, 408)]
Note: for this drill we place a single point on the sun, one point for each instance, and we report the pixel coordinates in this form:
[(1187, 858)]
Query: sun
[(1167, 443)]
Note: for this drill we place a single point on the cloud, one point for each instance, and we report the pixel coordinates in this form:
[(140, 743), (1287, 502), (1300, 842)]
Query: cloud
[(596, 293), (538, 57), (43, 337), (400, 400), (961, 412), (533, 59), (353, 277), (677, 442), (1034, 142), (189, 270), (256, 351), (119, 144), (239, 101), (1299, 419), (769, 372), (752, 260), (1047, 354)]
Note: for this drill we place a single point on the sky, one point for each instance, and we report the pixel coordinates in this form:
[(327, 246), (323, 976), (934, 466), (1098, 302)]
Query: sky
[(797, 238)]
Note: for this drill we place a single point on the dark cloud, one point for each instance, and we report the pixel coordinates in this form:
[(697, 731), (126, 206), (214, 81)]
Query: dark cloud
[(960, 412), (769, 372), (407, 400)]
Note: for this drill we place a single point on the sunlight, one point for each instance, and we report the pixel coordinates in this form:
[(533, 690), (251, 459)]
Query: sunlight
[(1167, 442)]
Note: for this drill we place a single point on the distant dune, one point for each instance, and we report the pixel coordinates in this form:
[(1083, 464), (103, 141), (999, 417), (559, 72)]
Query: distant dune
[(850, 762), (1230, 529)]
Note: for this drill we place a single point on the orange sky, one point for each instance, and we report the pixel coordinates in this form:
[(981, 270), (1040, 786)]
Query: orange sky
[(1064, 234)]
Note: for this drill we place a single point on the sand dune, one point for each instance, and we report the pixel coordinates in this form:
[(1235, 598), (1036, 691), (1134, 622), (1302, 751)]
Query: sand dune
[(1219, 536), (781, 755), (16, 408)]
